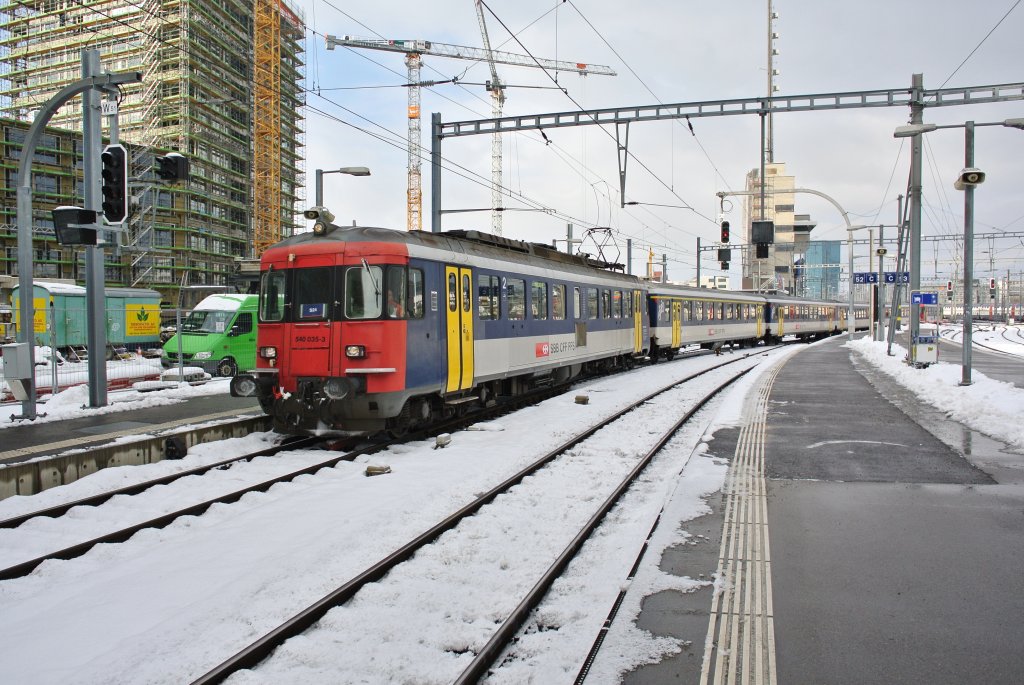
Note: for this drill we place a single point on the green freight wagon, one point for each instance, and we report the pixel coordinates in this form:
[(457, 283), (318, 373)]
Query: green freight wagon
[(132, 315)]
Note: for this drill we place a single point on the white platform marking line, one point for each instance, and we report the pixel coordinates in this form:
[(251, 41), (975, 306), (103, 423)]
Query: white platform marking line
[(740, 645)]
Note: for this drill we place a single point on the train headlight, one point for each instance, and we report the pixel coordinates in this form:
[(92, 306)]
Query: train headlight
[(203, 355), (268, 352), (355, 351), (337, 388)]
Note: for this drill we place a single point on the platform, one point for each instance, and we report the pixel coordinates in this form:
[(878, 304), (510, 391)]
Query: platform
[(33, 440), (878, 542)]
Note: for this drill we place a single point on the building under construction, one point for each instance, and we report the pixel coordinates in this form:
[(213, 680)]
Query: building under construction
[(222, 84)]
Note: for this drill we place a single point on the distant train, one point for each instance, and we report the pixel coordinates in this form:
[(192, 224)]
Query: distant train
[(365, 329)]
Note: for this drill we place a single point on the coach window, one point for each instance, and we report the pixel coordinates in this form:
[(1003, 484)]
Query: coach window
[(487, 297), (362, 292), (539, 300), (311, 294), (591, 303), (558, 302), (627, 304), (617, 304), (606, 304), (395, 292), (416, 293), (272, 295), (577, 304), (515, 292)]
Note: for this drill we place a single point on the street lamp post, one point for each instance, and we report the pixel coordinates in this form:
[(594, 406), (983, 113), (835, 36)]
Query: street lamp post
[(849, 249), (968, 294), (966, 181), (350, 170)]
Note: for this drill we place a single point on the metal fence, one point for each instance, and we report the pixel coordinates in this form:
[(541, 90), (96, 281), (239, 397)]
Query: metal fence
[(61, 356)]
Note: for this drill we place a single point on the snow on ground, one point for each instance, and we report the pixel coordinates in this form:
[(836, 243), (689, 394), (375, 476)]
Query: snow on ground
[(171, 603), (73, 403), (990, 406), (994, 336)]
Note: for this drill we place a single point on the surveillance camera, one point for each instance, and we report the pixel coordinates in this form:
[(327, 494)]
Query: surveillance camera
[(969, 178), (321, 214)]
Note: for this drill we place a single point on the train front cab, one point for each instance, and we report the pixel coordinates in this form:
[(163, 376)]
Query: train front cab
[(333, 335)]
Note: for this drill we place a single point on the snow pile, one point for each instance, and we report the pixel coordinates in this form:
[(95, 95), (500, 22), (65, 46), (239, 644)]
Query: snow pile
[(992, 407), (70, 403)]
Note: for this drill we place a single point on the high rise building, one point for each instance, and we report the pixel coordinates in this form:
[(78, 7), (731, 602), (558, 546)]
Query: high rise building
[(222, 84), (776, 272)]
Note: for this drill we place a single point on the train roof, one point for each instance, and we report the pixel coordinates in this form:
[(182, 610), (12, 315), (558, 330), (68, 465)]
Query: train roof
[(459, 242), (790, 299), (702, 293)]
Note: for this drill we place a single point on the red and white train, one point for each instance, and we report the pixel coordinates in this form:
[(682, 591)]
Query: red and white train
[(363, 330)]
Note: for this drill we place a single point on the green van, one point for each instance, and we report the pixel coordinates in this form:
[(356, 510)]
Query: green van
[(218, 336)]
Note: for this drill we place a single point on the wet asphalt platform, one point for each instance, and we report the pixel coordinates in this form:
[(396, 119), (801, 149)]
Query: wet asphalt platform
[(896, 537)]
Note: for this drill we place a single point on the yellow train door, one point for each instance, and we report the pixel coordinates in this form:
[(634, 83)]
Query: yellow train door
[(638, 321), (677, 324), (459, 324)]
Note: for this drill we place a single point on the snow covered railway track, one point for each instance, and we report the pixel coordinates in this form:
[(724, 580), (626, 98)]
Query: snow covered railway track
[(564, 483), (36, 537), (1016, 337), (97, 499)]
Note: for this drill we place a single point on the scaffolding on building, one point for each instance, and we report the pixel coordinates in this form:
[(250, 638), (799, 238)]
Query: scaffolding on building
[(203, 67)]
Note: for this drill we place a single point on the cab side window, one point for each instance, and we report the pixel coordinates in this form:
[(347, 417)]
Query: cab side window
[(243, 324)]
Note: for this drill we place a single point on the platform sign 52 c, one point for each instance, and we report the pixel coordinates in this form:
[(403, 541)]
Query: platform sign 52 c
[(864, 277)]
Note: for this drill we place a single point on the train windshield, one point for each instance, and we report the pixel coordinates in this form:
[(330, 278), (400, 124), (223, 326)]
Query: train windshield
[(306, 294), (362, 292), (272, 291)]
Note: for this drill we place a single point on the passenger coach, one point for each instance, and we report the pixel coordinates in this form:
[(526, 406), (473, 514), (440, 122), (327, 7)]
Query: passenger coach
[(369, 329), (682, 315)]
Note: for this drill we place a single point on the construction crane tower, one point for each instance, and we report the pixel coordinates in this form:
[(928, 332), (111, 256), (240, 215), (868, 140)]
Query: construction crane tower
[(413, 50), (497, 90)]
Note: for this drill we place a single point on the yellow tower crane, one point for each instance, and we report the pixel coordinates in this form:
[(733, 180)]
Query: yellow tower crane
[(413, 50), (266, 186)]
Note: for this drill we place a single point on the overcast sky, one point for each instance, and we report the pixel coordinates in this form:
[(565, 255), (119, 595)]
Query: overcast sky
[(674, 51)]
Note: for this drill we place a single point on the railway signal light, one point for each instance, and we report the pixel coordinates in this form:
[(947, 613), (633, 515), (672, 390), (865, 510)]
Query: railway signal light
[(74, 225), (992, 287), (725, 266), (115, 183), (725, 231), (949, 286), (172, 167)]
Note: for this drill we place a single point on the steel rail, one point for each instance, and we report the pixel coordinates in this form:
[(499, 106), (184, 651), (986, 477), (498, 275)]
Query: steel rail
[(254, 653), (94, 500), (502, 637), (24, 568)]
